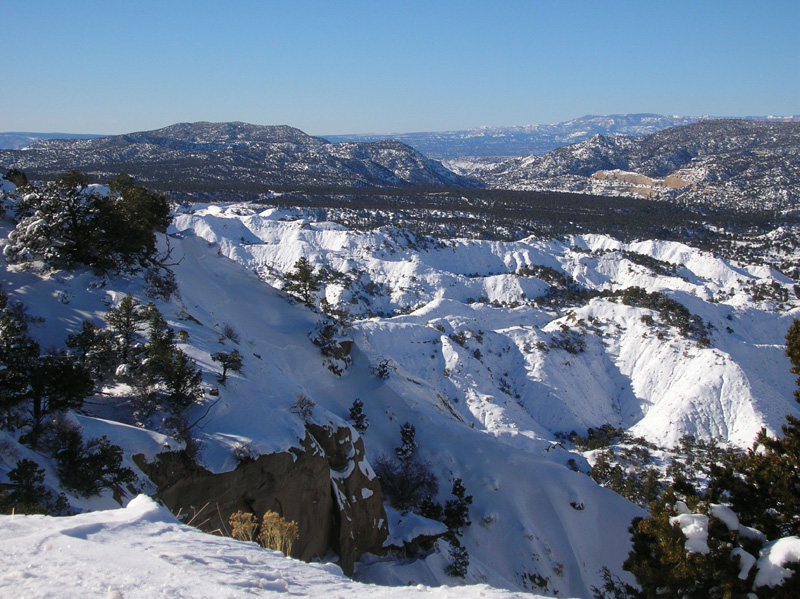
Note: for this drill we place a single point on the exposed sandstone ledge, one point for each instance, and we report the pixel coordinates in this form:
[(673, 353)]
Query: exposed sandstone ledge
[(327, 487)]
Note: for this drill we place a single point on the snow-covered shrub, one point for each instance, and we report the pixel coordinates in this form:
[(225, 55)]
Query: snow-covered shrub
[(303, 406), (329, 336), (383, 369), (180, 428), (671, 312), (598, 438), (229, 332), (245, 453), (62, 224)]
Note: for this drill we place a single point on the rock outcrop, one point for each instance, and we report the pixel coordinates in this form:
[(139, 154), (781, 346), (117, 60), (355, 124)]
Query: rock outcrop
[(327, 487)]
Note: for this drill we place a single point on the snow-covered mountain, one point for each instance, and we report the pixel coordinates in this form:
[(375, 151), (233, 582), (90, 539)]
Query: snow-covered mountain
[(17, 140), (488, 348), (534, 139), (724, 163), (233, 156)]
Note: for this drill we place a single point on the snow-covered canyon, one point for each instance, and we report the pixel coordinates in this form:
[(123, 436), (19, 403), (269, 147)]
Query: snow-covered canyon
[(486, 374)]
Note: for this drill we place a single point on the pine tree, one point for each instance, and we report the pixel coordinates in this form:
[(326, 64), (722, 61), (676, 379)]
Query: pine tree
[(456, 511), (764, 484), (64, 225), (93, 348), (408, 445), (405, 480), (763, 489), (88, 468), (459, 565), (125, 321), (28, 494), (132, 220), (18, 356), (58, 383), (429, 508), (27, 478), (793, 351), (182, 379), (302, 281), (357, 415), (229, 361), (17, 177), (456, 518)]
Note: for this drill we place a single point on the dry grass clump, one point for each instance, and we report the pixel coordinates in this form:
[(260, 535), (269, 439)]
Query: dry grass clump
[(243, 526), (278, 534), (274, 532)]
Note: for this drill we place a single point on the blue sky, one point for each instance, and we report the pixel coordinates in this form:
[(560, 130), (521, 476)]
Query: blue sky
[(331, 67)]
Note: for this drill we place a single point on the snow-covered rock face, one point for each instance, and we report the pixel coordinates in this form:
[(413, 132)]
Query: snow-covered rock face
[(458, 320), (350, 521)]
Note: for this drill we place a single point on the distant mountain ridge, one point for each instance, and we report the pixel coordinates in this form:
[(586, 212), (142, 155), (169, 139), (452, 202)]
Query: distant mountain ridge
[(725, 163), (203, 156), (16, 140), (537, 139), (520, 140)]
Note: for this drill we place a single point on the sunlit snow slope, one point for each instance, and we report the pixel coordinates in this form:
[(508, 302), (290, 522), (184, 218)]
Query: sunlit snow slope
[(485, 375), (457, 323), (537, 524)]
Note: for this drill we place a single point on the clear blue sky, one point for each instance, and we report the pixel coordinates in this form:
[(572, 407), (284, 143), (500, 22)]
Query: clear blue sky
[(329, 67)]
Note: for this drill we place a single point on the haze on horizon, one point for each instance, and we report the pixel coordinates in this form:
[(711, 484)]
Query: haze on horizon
[(390, 67)]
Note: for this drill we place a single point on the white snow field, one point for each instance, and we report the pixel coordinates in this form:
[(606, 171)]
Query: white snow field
[(660, 386), (143, 552), (479, 371)]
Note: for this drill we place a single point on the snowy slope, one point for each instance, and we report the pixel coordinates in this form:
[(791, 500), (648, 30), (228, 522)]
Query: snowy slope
[(474, 364), (142, 551), (536, 520), (631, 374), (530, 511)]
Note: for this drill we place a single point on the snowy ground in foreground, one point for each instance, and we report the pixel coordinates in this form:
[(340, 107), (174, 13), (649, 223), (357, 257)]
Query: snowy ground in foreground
[(142, 551)]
